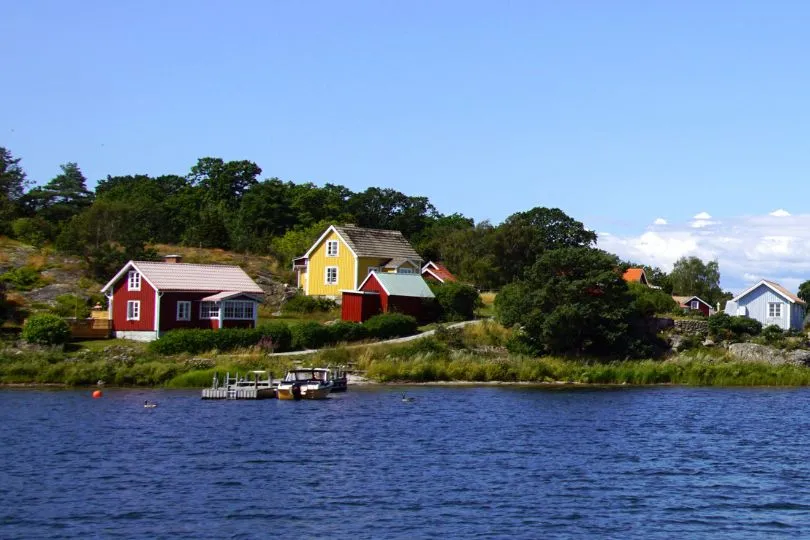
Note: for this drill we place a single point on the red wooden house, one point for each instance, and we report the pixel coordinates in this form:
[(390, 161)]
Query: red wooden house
[(147, 299), (437, 272), (385, 293), (694, 303)]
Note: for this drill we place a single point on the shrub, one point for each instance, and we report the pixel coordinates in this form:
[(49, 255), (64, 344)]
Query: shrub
[(34, 231), (308, 304), (650, 302), (195, 341), (310, 335), (23, 278), (457, 301), (390, 325), (724, 326), (70, 305), (46, 329), (345, 331)]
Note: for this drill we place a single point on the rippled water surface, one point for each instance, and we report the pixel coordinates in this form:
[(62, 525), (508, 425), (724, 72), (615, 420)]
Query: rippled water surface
[(458, 462)]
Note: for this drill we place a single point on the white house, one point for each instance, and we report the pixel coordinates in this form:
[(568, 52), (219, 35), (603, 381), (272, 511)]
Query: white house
[(769, 303)]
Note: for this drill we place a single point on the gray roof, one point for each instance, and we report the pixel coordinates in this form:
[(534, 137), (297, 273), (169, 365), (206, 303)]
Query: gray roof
[(377, 243), (191, 277), (404, 285)]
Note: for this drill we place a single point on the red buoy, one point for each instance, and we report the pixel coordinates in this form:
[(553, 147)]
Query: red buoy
[(97, 394)]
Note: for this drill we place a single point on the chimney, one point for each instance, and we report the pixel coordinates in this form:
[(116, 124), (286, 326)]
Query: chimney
[(172, 259)]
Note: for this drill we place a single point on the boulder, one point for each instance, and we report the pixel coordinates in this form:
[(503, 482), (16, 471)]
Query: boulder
[(752, 352)]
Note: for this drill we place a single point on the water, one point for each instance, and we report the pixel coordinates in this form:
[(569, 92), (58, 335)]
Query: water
[(485, 462)]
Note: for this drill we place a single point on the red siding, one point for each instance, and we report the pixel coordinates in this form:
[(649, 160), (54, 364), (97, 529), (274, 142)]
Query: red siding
[(359, 307), (120, 298), (372, 285), (168, 311), (409, 305)]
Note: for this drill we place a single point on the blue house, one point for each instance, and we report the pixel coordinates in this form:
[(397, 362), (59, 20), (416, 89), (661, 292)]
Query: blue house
[(769, 303)]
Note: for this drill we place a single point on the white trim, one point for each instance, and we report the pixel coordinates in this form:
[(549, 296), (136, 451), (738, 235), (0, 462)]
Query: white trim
[(777, 306), (425, 268), (130, 264), (356, 271), (378, 281), (326, 275), (177, 310), (158, 296), (767, 284), (136, 310), (337, 248), (323, 236), (209, 317), (429, 271), (133, 280)]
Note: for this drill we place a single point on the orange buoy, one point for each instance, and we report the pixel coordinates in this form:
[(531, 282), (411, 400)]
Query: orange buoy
[(97, 394)]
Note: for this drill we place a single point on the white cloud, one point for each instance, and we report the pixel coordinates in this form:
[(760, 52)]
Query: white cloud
[(772, 246), (660, 221), (780, 213)]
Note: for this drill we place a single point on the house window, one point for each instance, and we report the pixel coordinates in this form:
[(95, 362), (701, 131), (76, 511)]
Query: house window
[(695, 304), (134, 281), (401, 270), (774, 309), (373, 269), (239, 309), (183, 310), (134, 310), (331, 275), (332, 248), (209, 310)]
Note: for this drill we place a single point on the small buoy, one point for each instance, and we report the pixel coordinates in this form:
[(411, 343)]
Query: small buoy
[(97, 394)]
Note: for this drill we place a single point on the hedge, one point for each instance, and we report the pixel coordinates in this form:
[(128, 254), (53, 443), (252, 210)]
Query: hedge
[(46, 329), (391, 325), (199, 340)]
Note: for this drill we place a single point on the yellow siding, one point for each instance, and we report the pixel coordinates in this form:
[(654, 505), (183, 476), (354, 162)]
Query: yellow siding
[(318, 261), (364, 263)]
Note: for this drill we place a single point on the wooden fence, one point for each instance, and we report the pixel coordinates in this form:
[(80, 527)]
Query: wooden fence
[(89, 328)]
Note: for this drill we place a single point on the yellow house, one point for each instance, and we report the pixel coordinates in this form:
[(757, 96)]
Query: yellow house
[(344, 255)]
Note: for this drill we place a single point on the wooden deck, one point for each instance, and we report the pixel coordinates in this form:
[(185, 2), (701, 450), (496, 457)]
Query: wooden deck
[(89, 328), (236, 393)]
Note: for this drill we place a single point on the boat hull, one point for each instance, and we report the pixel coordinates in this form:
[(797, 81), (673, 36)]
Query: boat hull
[(292, 392)]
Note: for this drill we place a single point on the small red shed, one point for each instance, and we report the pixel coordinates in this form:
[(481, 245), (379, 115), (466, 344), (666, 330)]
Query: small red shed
[(694, 303), (383, 292), (437, 272), (149, 298)]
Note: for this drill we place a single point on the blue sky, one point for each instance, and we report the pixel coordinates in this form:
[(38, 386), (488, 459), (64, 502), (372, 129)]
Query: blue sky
[(620, 113)]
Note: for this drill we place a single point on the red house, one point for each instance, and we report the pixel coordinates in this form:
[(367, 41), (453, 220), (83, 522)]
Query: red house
[(383, 292), (147, 299), (437, 272), (694, 303)]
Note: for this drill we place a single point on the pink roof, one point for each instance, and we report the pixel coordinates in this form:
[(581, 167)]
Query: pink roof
[(784, 291), (439, 271), (191, 277)]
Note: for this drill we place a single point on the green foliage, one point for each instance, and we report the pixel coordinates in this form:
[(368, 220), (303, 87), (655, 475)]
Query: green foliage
[(346, 331), (804, 291), (12, 185), (65, 196), (391, 325), (308, 304), (727, 327), (70, 305), (22, 278), (457, 301), (691, 276), (34, 231), (194, 341), (651, 301), (46, 329), (310, 335), (573, 301)]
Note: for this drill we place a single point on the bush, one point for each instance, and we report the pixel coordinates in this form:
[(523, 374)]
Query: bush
[(457, 301), (391, 325), (650, 302), (70, 305), (308, 304), (310, 335), (46, 329), (23, 278), (345, 331), (34, 231), (196, 341), (724, 326)]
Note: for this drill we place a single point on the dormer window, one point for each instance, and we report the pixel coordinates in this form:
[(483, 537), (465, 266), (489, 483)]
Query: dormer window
[(332, 248), (134, 281)]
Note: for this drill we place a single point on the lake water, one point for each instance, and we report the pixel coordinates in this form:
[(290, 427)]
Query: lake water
[(507, 461)]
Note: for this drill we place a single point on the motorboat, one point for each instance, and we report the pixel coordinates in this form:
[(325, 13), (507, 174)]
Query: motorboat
[(305, 383)]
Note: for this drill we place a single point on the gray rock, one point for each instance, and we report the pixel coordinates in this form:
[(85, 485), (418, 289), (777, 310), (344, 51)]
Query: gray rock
[(752, 352), (708, 343), (676, 342)]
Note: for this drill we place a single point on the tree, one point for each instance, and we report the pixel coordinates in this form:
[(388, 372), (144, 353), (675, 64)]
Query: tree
[(525, 236), (63, 197), (224, 182), (804, 291), (574, 301), (12, 184), (389, 209), (691, 276)]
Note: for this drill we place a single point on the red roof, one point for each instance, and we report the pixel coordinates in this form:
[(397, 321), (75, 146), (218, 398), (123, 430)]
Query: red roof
[(635, 275), (439, 271)]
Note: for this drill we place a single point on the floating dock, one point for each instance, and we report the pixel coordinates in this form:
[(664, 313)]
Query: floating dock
[(246, 387)]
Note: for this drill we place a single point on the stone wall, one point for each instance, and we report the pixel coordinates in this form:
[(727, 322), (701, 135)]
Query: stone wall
[(692, 327)]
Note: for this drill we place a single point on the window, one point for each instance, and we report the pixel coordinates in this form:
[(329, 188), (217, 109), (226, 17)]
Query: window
[(774, 309), (209, 310), (402, 270), (239, 309), (134, 281), (695, 304), (332, 248), (331, 275), (134, 310), (373, 269), (183, 310)]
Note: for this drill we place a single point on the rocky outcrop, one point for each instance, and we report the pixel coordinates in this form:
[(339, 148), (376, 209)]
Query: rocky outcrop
[(752, 352), (692, 327)]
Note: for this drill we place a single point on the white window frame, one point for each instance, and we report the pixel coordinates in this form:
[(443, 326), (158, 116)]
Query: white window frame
[(373, 269), (134, 280), (209, 310), (183, 310), (775, 310), (332, 252), (326, 275), (404, 270), (695, 304), (238, 310), (133, 310)]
